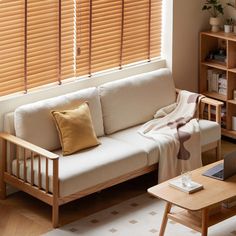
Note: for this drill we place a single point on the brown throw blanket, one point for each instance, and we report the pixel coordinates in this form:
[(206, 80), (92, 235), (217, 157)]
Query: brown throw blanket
[(178, 137)]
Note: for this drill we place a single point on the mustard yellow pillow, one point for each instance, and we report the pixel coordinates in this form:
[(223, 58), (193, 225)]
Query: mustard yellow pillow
[(75, 129)]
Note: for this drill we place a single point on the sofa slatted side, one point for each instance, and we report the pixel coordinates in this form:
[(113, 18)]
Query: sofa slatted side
[(204, 113), (14, 148), (210, 104)]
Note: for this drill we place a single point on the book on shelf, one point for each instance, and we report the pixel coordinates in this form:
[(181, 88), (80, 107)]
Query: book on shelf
[(222, 85), (190, 188), (214, 81), (209, 76)]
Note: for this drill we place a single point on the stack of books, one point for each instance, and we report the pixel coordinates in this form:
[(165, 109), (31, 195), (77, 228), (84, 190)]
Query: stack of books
[(217, 81), (222, 85)]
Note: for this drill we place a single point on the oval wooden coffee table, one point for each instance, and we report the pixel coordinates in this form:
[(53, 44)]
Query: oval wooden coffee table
[(195, 208)]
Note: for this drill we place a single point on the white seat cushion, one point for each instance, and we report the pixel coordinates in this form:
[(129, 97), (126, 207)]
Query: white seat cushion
[(132, 137), (8, 123), (90, 167), (210, 132)]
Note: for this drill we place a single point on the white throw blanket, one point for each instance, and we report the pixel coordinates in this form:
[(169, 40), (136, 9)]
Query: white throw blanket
[(178, 137)]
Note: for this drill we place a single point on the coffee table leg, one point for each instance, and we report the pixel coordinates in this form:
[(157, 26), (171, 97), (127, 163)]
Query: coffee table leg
[(165, 218), (205, 218)]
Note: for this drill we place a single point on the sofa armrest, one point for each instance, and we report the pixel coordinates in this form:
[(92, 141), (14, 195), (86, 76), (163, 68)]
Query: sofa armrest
[(27, 145), (210, 103), (14, 148)]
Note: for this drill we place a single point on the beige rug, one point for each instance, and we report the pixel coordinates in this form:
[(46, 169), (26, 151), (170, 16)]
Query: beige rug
[(139, 216)]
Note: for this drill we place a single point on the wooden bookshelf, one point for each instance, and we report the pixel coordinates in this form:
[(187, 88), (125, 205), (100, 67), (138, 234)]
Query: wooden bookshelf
[(209, 44)]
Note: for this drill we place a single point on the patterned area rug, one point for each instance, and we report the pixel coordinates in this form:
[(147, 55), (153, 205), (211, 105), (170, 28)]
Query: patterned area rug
[(139, 216)]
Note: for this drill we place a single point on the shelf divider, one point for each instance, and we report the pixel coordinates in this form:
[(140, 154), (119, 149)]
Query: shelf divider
[(215, 95), (215, 65)]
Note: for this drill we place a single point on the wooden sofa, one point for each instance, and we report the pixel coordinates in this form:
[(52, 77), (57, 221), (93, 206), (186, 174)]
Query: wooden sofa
[(37, 171)]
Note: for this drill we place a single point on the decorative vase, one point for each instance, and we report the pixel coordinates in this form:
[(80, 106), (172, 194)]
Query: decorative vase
[(215, 24)]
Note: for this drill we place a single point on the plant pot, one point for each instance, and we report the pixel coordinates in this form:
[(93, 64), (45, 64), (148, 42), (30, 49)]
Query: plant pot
[(227, 28), (215, 24)]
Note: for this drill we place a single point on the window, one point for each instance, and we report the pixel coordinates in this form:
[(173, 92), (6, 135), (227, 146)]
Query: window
[(44, 42)]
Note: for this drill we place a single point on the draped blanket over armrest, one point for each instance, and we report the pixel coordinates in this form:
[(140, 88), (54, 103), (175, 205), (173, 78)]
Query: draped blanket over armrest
[(177, 136)]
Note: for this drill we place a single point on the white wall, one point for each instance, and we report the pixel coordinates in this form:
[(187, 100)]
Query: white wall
[(188, 21), (229, 11), (167, 32)]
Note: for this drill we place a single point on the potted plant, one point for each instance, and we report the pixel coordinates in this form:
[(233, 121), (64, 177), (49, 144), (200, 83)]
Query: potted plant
[(215, 9), (228, 26)]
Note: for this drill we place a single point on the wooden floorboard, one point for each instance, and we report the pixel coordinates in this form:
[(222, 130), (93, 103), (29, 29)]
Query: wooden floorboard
[(23, 215)]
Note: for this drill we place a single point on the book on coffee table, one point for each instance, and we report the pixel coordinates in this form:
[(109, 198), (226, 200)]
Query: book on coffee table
[(190, 188)]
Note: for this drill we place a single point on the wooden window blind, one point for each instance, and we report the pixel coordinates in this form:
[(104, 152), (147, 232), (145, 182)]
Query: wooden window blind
[(37, 43), (42, 42), (68, 39), (48, 41), (116, 33), (98, 38), (11, 46)]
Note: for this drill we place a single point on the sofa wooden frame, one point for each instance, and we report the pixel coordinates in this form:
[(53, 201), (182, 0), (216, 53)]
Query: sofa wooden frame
[(9, 142)]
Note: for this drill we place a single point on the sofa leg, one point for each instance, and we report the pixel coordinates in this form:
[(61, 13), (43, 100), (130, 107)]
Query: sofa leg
[(55, 205), (2, 185), (218, 150), (55, 216), (2, 169)]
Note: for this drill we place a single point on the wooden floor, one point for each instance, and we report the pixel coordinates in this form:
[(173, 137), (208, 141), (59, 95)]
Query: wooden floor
[(21, 214)]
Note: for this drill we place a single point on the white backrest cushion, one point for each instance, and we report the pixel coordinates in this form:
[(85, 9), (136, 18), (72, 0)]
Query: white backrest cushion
[(34, 122), (8, 123), (134, 100)]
